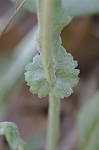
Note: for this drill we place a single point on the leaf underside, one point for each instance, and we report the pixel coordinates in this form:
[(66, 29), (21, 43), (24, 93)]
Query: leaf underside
[(63, 63)]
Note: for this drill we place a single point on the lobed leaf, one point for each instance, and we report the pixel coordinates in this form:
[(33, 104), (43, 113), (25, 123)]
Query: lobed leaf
[(35, 77), (63, 63), (66, 74)]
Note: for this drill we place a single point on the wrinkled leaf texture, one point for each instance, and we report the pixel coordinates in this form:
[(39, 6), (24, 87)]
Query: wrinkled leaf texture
[(63, 63)]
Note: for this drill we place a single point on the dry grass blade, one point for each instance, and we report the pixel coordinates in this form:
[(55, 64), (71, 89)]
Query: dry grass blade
[(13, 15)]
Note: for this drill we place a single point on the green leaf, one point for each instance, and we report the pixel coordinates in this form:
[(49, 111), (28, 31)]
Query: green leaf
[(77, 8), (35, 77), (10, 131), (63, 63), (66, 74), (88, 123)]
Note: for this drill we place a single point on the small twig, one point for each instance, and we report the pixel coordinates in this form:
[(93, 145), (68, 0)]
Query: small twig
[(14, 14)]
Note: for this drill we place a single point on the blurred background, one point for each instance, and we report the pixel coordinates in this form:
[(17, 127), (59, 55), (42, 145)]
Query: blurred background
[(17, 104)]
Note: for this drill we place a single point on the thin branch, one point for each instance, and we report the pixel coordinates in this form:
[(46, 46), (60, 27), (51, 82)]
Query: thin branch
[(14, 14)]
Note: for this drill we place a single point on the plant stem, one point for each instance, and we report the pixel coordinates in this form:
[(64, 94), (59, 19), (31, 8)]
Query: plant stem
[(45, 15), (53, 123), (46, 38)]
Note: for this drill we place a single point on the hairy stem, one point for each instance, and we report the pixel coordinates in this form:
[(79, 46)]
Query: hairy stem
[(45, 14), (46, 38), (53, 123)]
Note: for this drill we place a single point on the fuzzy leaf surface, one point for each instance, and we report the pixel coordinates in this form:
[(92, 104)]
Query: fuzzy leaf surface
[(66, 74), (35, 77), (63, 63)]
